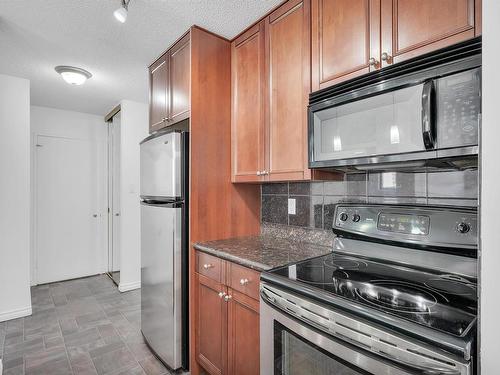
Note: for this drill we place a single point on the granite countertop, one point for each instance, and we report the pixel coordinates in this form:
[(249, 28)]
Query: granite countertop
[(262, 252)]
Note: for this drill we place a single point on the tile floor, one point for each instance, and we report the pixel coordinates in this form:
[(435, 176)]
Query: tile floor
[(79, 327)]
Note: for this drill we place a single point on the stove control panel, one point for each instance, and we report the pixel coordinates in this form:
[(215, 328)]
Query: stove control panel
[(437, 226)]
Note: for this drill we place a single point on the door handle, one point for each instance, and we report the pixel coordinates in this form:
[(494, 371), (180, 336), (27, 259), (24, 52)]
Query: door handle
[(428, 115), (94, 215)]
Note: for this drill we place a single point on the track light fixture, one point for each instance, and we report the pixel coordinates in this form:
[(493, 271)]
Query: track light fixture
[(122, 12)]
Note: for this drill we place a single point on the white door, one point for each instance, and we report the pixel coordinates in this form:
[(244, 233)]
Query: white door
[(68, 213)]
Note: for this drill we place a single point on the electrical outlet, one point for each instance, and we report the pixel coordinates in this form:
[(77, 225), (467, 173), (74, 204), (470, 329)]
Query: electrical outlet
[(291, 206)]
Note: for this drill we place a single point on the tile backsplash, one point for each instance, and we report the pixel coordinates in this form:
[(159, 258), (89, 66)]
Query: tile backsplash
[(315, 201)]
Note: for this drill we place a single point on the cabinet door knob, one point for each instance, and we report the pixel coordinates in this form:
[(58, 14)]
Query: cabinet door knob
[(244, 282), (221, 294), (227, 297), (259, 173), (385, 57), (373, 61), (208, 266)]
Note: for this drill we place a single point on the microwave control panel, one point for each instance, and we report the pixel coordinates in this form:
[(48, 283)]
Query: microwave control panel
[(458, 108)]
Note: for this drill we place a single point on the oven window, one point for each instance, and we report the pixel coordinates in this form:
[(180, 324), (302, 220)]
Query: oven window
[(296, 356)]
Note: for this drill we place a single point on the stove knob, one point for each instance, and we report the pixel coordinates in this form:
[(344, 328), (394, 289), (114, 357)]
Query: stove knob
[(343, 216), (463, 228), (356, 218)]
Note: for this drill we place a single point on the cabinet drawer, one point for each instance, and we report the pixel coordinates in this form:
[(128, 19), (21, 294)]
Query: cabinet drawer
[(243, 280), (209, 266)]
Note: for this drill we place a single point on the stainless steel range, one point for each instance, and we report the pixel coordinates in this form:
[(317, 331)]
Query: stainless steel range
[(398, 295)]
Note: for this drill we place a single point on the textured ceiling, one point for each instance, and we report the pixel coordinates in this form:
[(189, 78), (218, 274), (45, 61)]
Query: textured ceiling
[(37, 35)]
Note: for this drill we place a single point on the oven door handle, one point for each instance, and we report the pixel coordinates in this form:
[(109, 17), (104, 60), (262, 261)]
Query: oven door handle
[(423, 370)]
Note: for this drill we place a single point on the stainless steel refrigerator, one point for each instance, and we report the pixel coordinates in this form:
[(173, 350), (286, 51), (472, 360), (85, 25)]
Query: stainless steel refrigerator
[(164, 250)]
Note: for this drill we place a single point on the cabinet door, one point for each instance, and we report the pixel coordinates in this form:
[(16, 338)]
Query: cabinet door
[(211, 326), (414, 27), (158, 93), (243, 334), (247, 111), (345, 35), (180, 63), (288, 46)]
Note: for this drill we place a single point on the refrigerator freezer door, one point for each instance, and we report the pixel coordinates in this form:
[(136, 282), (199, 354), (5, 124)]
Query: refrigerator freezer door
[(161, 164), (161, 300)]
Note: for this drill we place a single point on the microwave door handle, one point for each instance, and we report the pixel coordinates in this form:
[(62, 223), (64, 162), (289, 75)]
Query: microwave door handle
[(428, 115)]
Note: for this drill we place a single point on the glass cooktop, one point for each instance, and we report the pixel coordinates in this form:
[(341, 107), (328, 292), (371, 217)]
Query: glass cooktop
[(444, 302)]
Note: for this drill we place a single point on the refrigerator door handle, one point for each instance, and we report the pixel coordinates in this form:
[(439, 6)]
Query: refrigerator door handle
[(162, 204)]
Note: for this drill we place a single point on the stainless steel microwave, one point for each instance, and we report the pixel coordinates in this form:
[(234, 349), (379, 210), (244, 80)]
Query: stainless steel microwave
[(427, 117)]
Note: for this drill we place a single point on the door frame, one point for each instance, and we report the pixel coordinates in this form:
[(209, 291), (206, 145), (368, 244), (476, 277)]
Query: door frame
[(109, 192)]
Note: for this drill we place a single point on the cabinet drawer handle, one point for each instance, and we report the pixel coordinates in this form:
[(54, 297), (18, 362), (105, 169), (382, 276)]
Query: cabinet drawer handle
[(385, 57), (227, 297), (208, 266), (244, 282), (221, 294)]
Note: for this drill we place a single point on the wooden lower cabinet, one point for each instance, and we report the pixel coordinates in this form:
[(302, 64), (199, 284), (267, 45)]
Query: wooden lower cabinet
[(227, 325), (211, 335), (243, 335)]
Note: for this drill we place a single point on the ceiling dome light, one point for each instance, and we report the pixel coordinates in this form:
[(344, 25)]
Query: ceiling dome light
[(72, 75), (122, 12)]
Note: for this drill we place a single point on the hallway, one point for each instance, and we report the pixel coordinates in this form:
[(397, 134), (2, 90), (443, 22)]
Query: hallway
[(81, 327)]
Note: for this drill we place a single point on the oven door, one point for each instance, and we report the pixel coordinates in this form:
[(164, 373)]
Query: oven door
[(292, 347)]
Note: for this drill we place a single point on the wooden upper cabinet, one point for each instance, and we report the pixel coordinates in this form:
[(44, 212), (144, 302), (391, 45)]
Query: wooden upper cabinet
[(288, 45), (247, 122), (211, 326), (170, 86), (180, 80), (243, 335), (345, 36), (414, 27), (353, 37), (158, 93)]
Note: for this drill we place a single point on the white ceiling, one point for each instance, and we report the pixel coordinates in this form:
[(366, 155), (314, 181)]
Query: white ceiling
[(37, 35)]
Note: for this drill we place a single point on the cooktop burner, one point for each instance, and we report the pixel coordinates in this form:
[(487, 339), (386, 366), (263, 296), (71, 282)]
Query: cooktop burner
[(444, 302), (397, 296), (344, 263)]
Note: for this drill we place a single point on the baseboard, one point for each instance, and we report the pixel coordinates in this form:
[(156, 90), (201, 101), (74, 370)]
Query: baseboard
[(14, 314), (125, 287)]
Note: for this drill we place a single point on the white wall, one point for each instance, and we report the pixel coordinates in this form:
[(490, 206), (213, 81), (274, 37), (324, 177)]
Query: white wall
[(134, 128), (490, 192), (75, 125), (15, 297)]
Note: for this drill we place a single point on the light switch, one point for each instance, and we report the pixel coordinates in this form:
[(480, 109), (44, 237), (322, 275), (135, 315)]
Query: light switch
[(291, 206)]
